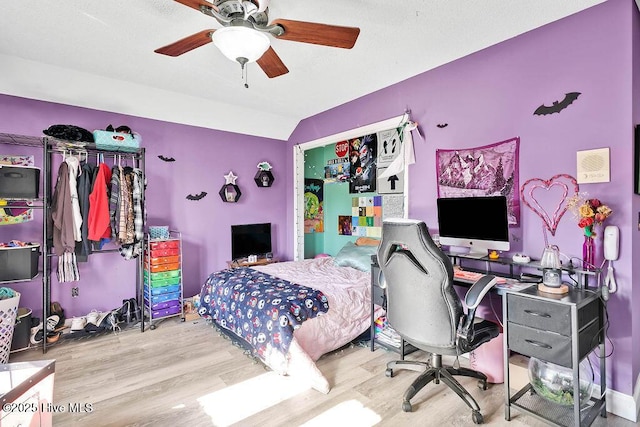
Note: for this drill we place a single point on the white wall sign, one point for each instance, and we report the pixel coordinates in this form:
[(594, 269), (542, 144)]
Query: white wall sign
[(592, 166), (393, 184)]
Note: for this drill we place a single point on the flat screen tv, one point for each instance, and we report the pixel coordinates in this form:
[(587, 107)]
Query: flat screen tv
[(478, 223), (250, 239)]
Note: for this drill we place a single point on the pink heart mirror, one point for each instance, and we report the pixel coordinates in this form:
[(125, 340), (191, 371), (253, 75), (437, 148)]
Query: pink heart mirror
[(548, 198)]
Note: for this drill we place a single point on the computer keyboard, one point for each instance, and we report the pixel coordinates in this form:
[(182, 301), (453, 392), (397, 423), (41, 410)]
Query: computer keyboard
[(472, 276), (466, 275)]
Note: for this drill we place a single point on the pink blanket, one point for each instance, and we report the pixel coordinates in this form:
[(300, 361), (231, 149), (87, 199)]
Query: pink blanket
[(349, 293)]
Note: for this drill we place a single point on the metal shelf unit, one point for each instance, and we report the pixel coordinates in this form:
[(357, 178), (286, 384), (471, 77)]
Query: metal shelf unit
[(49, 147)]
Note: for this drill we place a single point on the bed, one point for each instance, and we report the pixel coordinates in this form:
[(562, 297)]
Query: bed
[(329, 305)]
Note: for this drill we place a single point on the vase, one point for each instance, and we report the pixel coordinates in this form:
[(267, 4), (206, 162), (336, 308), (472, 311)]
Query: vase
[(588, 253)]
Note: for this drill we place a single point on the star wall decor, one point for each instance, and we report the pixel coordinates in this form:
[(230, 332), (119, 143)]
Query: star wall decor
[(230, 178)]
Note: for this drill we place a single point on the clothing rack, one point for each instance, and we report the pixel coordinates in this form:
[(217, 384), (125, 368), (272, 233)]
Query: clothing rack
[(51, 146), (56, 146)]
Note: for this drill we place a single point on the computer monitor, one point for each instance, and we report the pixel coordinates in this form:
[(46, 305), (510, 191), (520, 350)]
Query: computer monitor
[(478, 223)]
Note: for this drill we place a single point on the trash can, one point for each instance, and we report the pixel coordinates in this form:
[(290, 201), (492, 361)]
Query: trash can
[(22, 330), (489, 359)]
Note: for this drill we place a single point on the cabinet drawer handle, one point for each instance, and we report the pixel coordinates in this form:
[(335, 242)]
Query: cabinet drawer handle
[(537, 313), (539, 344)]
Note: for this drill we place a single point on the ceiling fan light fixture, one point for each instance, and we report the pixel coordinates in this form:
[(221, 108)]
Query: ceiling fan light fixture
[(241, 42)]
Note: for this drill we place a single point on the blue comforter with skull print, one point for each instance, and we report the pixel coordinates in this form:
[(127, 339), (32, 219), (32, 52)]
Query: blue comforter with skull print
[(259, 308)]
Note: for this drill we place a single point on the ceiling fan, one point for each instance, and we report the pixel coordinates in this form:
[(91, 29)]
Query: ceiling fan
[(244, 36)]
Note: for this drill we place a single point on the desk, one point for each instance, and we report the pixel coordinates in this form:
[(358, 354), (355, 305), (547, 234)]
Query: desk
[(239, 263), (516, 270)]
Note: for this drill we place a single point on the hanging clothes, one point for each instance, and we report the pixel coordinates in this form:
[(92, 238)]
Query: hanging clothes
[(62, 213), (85, 181), (133, 250), (63, 227), (99, 224), (74, 171)]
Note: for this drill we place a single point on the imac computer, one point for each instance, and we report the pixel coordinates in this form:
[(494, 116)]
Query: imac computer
[(478, 223)]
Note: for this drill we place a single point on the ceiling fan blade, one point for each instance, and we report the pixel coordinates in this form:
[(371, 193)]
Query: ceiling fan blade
[(186, 44), (271, 64), (197, 3), (322, 34)]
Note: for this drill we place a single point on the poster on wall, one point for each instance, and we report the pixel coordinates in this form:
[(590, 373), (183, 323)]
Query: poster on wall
[(362, 155), (313, 208), (344, 225), (337, 170), (366, 216), (393, 184), (15, 215), (490, 170), (389, 146)]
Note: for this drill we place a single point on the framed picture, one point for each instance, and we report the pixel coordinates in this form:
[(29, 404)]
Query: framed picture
[(636, 162)]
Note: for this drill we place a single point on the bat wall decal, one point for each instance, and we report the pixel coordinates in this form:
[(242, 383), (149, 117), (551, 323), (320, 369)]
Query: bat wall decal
[(557, 105), (442, 125), (166, 159), (197, 196)]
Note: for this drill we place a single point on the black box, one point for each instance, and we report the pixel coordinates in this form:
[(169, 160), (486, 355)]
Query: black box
[(19, 263), (21, 330), (17, 182)]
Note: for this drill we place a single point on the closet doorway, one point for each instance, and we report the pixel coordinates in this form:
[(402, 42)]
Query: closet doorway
[(300, 167)]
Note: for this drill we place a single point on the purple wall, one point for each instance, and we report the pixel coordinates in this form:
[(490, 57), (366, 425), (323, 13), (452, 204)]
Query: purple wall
[(490, 96), (202, 156)]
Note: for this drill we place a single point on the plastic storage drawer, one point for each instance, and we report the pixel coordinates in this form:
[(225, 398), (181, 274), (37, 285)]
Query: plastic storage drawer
[(167, 244), (164, 252), (163, 260), (164, 304), (165, 312), (163, 282), (162, 290), (162, 274), (163, 267), (156, 299)]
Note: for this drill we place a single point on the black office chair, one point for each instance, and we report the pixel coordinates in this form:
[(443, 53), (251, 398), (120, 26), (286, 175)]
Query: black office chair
[(425, 310)]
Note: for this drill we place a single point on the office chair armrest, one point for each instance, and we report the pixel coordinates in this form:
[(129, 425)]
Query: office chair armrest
[(478, 290), (472, 299)]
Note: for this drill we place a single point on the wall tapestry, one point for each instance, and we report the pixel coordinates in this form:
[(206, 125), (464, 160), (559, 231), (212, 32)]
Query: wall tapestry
[(20, 214), (363, 155), (491, 170), (313, 209), (366, 213)]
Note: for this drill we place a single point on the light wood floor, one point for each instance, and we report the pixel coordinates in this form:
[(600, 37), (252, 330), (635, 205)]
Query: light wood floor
[(186, 374)]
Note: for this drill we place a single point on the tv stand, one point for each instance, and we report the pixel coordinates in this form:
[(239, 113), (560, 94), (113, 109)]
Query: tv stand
[(244, 263)]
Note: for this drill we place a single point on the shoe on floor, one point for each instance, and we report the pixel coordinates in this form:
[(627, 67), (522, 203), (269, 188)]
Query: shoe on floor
[(78, 323), (37, 332), (37, 335), (93, 317), (57, 309)]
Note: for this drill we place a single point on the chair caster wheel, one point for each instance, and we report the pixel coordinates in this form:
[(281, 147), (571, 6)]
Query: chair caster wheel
[(152, 327), (389, 373), (482, 385), (406, 406), (477, 417)]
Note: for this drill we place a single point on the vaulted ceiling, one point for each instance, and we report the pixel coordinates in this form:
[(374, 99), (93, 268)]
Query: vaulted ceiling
[(100, 54)]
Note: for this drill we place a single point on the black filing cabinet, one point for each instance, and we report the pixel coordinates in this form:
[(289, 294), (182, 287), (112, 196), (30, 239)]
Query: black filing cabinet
[(560, 329)]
